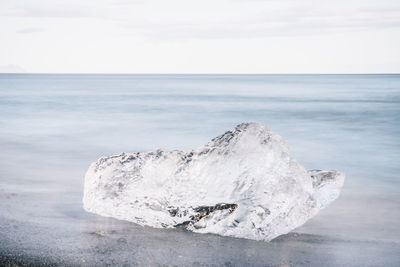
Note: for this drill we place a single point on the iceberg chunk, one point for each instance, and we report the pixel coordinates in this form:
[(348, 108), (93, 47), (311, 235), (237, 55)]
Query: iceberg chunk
[(243, 183)]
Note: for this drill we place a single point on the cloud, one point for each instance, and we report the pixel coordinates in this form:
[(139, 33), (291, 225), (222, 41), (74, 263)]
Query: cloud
[(11, 68), (29, 30), (265, 21), (223, 19), (52, 10)]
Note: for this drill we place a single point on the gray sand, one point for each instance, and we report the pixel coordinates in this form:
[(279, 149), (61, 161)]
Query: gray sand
[(51, 228)]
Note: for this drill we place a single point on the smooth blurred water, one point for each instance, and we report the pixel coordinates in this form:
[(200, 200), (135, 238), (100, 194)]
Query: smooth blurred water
[(345, 122), (53, 126)]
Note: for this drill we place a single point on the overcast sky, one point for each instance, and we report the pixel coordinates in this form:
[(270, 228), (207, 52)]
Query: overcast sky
[(207, 36)]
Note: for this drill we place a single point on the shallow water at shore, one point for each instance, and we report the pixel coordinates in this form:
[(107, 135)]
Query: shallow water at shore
[(53, 126)]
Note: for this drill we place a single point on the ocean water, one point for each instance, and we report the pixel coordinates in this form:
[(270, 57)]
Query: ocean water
[(53, 126)]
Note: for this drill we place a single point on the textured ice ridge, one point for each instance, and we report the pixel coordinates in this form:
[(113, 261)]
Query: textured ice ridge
[(242, 183)]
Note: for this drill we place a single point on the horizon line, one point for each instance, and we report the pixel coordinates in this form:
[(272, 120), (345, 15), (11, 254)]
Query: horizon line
[(167, 73)]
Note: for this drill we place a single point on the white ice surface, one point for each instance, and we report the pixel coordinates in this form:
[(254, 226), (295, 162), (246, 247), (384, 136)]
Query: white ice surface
[(249, 166)]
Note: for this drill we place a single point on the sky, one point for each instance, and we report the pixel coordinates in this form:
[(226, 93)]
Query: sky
[(208, 36)]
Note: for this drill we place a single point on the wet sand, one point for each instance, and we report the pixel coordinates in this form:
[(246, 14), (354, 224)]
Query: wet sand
[(51, 228)]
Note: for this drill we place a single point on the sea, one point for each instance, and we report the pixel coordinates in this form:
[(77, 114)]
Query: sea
[(53, 126)]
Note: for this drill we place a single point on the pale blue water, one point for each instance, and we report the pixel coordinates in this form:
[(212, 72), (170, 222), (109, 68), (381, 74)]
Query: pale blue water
[(53, 126)]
